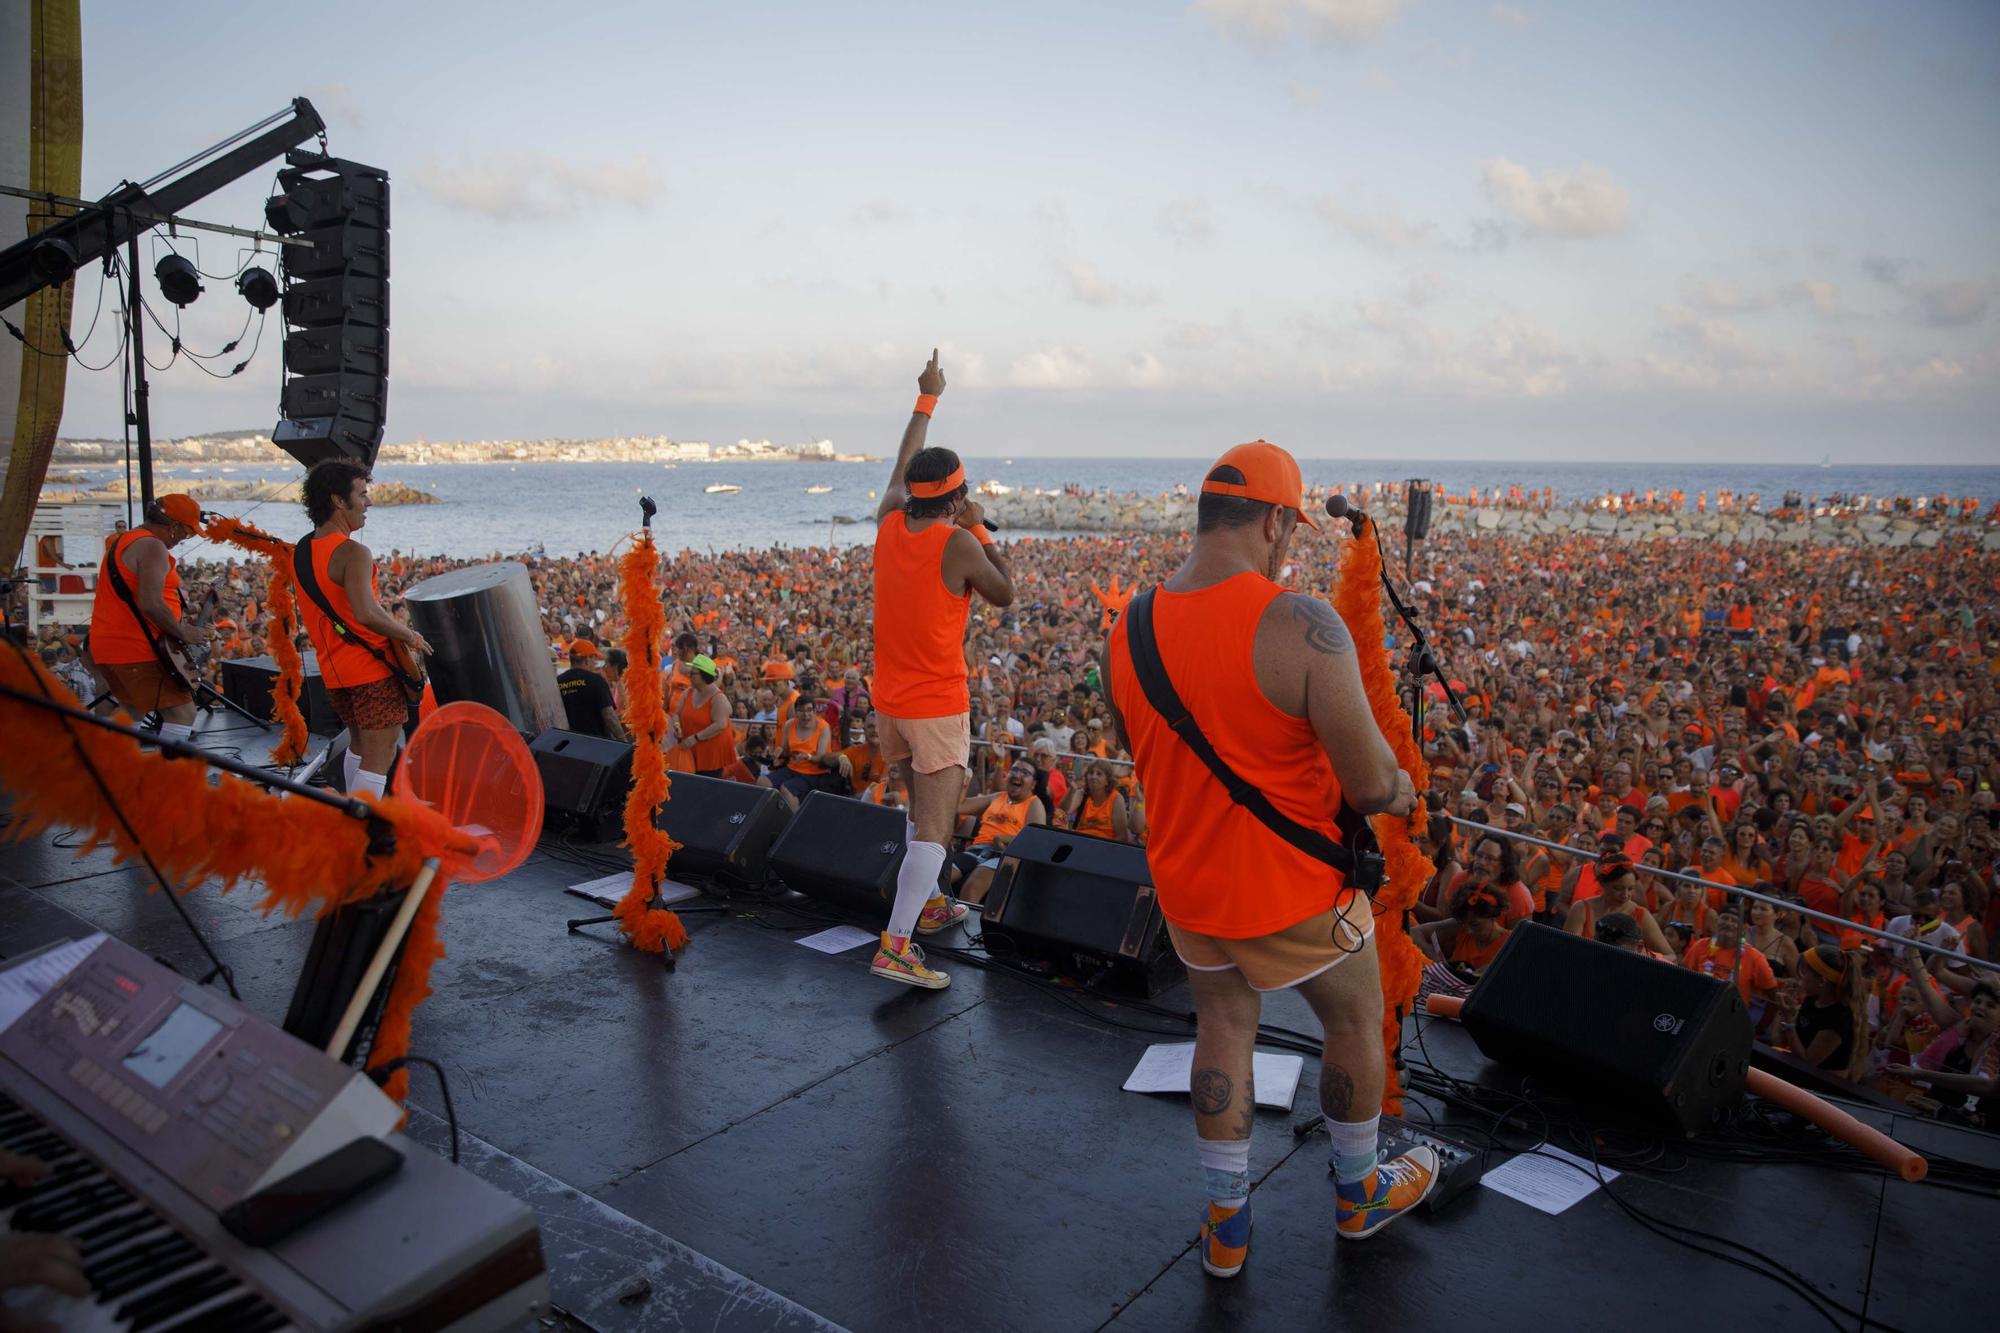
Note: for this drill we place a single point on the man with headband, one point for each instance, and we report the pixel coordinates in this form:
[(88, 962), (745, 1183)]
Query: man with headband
[(932, 552), (1271, 680)]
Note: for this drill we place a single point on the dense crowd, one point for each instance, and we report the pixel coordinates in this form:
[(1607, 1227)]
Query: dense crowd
[(1816, 724)]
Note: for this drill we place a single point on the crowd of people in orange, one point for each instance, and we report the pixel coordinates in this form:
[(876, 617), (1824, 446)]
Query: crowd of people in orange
[(1817, 724)]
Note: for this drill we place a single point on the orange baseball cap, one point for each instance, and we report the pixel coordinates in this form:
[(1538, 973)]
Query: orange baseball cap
[(1269, 474), (181, 509), (582, 648)]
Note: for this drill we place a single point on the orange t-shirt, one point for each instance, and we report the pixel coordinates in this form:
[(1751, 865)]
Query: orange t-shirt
[(919, 623), (116, 637), (805, 738), (342, 663), (1094, 817), (1754, 978), (1472, 953), (1002, 818), (717, 750), (1215, 866)]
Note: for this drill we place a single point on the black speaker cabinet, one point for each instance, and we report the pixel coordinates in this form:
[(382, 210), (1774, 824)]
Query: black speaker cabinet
[(725, 829), (1085, 907), (844, 852), (582, 775), (248, 683), (1658, 1043), (343, 943)]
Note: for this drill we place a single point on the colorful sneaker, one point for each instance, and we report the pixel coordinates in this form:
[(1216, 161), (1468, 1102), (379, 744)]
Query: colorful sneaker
[(1390, 1190), (907, 966), (1225, 1240), (939, 913)]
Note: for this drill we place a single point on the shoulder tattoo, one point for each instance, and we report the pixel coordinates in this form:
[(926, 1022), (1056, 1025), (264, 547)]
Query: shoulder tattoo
[(1325, 631)]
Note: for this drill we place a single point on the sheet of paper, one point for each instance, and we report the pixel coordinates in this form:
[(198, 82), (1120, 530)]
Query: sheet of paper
[(608, 889), (32, 978), (1541, 1180), (1170, 1068), (839, 939)]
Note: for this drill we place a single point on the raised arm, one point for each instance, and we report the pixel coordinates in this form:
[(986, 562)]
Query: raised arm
[(1337, 707), (930, 383)]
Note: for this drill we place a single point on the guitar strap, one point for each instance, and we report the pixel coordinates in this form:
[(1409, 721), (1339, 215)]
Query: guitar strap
[(308, 581), (146, 627)]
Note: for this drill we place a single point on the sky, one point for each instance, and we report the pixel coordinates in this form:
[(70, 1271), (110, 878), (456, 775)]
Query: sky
[(1362, 228)]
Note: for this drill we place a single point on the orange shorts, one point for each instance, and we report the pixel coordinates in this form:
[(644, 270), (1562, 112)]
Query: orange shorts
[(931, 744), (1283, 960), (144, 687)]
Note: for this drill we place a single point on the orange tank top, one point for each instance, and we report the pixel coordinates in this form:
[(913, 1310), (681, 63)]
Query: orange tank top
[(1003, 819), (342, 664), (1094, 818), (116, 637), (717, 750), (919, 624), (1217, 869), (805, 740)]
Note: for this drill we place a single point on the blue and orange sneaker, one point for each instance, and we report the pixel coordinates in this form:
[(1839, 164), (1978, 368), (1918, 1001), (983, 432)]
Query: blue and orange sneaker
[(1225, 1240), (1387, 1192)]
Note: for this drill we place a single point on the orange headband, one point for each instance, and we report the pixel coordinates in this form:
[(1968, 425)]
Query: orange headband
[(1821, 966), (931, 490)]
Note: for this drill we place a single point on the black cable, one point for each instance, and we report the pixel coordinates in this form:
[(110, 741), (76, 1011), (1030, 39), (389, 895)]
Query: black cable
[(381, 1074)]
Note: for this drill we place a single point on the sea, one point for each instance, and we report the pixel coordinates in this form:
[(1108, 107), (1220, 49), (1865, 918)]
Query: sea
[(572, 508)]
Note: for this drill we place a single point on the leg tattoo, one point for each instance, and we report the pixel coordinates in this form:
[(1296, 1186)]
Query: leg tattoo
[(1212, 1090), (1336, 1092)]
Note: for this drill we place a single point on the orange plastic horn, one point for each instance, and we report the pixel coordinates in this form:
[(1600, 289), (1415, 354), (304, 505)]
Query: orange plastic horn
[(1443, 1006), (1905, 1162)]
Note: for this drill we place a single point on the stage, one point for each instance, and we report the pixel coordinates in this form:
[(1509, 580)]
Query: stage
[(767, 1138)]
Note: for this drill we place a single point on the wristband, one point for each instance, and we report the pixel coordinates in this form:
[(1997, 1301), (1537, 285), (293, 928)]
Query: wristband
[(979, 530), (926, 404)]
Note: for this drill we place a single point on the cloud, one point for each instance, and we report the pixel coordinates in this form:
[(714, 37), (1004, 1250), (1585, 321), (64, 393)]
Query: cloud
[(1884, 268), (1088, 286), (1952, 305), (1584, 202), (535, 187), (336, 105), (1374, 225), (1267, 21), (1187, 220), (1712, 296), (880, 212), (1053, 368), (1144, 371), (1507, 16)]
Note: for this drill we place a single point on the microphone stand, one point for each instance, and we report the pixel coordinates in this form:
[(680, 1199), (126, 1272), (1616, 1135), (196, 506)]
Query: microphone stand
[(1422, 661)]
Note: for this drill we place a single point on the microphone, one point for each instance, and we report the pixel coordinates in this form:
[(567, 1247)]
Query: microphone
[(989, 525), (1338, 507)]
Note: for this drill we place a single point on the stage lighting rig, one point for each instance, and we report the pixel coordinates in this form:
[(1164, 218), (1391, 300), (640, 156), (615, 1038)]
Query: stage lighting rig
[(180, 281), (258, 287)]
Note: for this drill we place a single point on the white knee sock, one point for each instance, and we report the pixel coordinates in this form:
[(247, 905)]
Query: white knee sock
[(1353, 1147), (175, 731), (916, 882), (1225, 1166), (364, 781), (350, 763)]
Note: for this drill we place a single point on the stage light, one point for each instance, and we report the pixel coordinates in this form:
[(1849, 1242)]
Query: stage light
[(52, 259), (258, 287), (178, 280)]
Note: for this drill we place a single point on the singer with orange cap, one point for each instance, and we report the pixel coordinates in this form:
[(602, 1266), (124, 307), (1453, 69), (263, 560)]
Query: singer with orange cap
[(137, 605), (932, 552), (1270, 679)]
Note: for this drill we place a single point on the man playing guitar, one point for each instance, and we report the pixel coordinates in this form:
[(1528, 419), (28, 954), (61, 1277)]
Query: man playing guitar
[(357, 645), (137, 614)]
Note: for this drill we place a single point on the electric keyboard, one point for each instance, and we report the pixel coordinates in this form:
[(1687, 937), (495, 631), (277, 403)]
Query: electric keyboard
[(159, 1104)]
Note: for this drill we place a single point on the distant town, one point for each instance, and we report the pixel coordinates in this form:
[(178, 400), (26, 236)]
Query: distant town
[(256, 447)]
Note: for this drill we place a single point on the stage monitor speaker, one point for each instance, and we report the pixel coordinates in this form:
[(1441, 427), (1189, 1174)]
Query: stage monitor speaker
[(248, 683), (343, 942), (1084, 906), (725, 829), (843, 851), (1657, 1043), (582, 775)]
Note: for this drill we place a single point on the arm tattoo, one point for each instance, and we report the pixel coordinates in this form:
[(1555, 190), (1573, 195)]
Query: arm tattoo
[(1212, 1091), (1326, 632), (1336, 1092)]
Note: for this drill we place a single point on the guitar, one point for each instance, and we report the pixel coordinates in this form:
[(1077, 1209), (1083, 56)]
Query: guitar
[(184, 661)]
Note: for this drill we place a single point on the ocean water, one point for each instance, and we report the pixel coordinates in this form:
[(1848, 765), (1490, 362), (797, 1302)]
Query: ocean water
[(568, 508)]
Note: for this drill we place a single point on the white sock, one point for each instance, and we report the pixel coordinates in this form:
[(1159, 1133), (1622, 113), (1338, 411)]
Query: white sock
[(365, 781), (916, 882), (350, 763), (1354, 1143), (1225, 1168), (175, 731)]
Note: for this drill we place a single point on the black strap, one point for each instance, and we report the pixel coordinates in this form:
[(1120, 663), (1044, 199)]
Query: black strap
[(1166, 701), (124, 592), (308, 581)]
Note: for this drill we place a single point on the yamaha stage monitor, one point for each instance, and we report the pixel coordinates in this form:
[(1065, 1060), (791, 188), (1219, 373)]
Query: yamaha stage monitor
[(1083, 906), (725, 829), (248, 682), (1660, 1043), (843, 851), (585, 776)]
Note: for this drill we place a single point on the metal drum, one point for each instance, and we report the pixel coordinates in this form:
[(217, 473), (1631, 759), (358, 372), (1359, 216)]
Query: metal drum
[(487, 643)]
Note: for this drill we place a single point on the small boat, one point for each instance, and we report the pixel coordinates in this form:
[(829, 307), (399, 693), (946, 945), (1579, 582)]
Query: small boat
[(820, 489), (1826, 460), (720, 488)]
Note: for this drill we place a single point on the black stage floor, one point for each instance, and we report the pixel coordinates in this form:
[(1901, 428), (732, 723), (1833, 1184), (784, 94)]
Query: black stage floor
[(767, 1138)]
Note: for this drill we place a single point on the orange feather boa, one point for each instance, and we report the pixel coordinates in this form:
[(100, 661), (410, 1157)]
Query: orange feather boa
[(1358, 599), (649, 928), (308, 855), (281, 633)]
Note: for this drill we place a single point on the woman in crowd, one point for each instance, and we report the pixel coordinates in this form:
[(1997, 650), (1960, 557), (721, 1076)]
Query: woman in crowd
[(1823, 1019), (1095, 806)]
